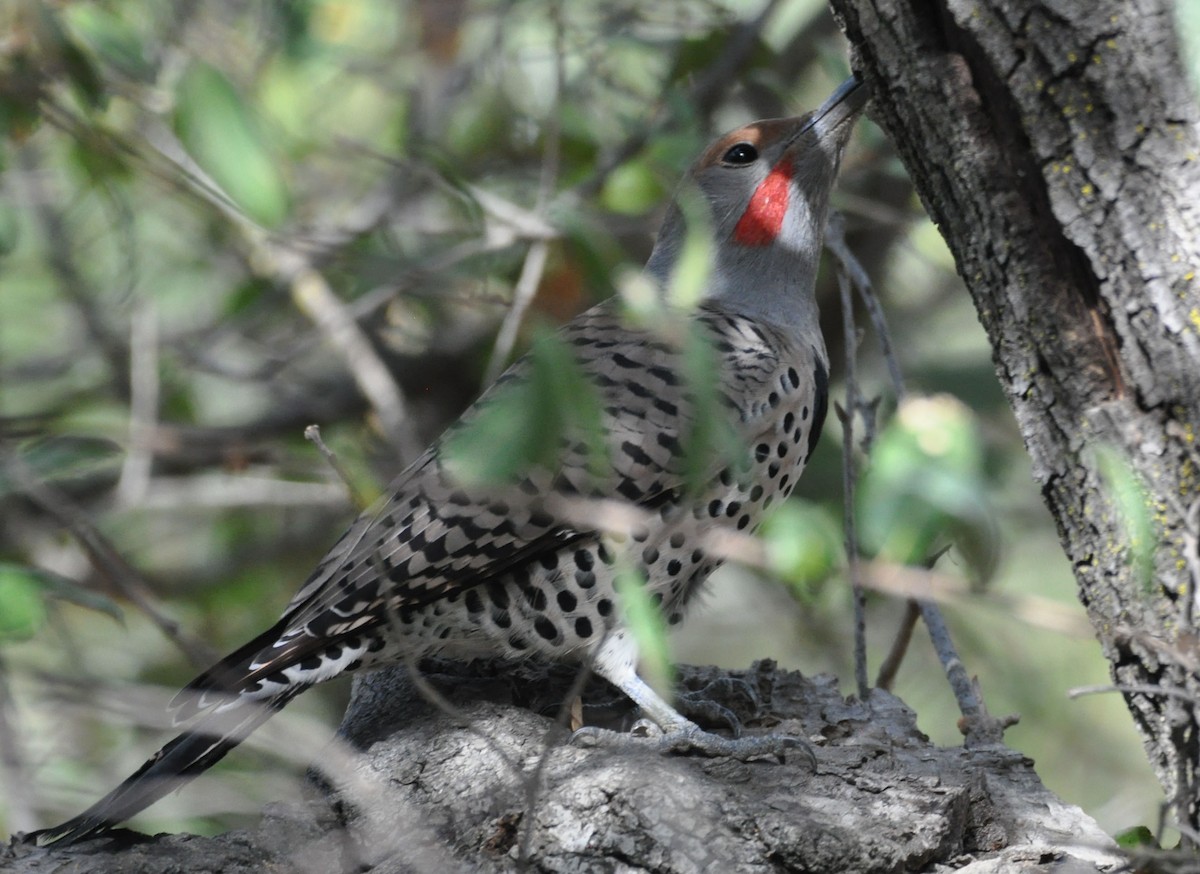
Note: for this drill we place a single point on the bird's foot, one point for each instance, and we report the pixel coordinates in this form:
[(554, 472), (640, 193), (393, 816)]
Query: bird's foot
[(687, 738), (725, 701)]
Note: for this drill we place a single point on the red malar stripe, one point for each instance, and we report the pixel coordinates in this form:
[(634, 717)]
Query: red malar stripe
[(762, 221)]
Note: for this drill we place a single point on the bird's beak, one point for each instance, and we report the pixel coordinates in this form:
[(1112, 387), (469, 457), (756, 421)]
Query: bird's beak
[(843, 106)]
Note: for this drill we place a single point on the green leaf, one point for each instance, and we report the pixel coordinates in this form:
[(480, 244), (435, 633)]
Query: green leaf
[(10, 226), (524, 422), (224, 137), (713, 442), (925, 483), (67, 458), (1138, 836), (112, 39), (56, 43), (689, 280), (633, 188), (804, 544), (645, 622), (62, 459), (22, 610), (65, 589)]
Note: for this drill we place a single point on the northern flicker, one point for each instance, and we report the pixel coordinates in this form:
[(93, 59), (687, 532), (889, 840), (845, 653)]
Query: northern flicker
[(443, 566)]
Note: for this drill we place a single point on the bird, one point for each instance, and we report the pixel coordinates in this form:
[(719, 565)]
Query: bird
[(449, 563)]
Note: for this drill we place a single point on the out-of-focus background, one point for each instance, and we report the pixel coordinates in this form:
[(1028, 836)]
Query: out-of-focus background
[(221, 222)]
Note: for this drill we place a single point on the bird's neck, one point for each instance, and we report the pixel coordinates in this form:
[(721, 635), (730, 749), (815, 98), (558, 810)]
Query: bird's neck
[(774, 284)]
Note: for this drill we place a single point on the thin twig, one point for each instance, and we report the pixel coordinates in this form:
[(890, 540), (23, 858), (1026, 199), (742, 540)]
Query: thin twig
[(849, 481), (143, 405), (316, 299), (61, 258), (924, 584), (1132, 689), (705, 95), (891, 663), (535, 259), (222, 491), (978, 725), (523, 294), (313, 434), (107, 560), (18, 797), (835, 241)]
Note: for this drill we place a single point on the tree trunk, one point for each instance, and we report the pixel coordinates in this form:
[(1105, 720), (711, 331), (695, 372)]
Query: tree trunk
[(1055, 145)]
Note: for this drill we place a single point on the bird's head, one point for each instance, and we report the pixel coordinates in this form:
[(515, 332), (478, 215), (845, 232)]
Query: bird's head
[(766, 186)]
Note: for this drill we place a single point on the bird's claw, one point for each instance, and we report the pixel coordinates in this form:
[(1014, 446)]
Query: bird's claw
[(724, 701), (691, 739), (744, 749)]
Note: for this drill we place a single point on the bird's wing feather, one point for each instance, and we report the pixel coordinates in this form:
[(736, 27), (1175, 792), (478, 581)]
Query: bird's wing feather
[(430, 536)]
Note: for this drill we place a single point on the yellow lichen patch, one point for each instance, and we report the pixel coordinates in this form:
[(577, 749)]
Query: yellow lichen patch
[(1087, 190), (1194, 317), (1072, 57)]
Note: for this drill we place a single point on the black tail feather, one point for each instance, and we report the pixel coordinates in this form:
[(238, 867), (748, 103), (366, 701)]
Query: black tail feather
[(184, 758)]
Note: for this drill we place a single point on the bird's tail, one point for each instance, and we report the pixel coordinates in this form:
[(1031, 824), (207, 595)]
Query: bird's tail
[(184, 758)]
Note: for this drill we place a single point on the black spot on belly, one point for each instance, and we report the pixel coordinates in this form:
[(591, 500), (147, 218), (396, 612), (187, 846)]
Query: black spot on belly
[(545, 628), (583, 627)]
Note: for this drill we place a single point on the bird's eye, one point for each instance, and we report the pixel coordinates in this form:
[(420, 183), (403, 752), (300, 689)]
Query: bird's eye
[(740, 155)]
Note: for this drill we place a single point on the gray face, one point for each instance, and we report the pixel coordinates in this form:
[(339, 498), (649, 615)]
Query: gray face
[(768, 183)]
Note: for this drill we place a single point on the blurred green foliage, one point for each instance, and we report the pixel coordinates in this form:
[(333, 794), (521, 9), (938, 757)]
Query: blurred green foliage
[(925, 484), (169, 169)]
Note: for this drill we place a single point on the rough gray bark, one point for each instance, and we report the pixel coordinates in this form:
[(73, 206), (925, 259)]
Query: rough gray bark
[(439, 791), (1055, 145)]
